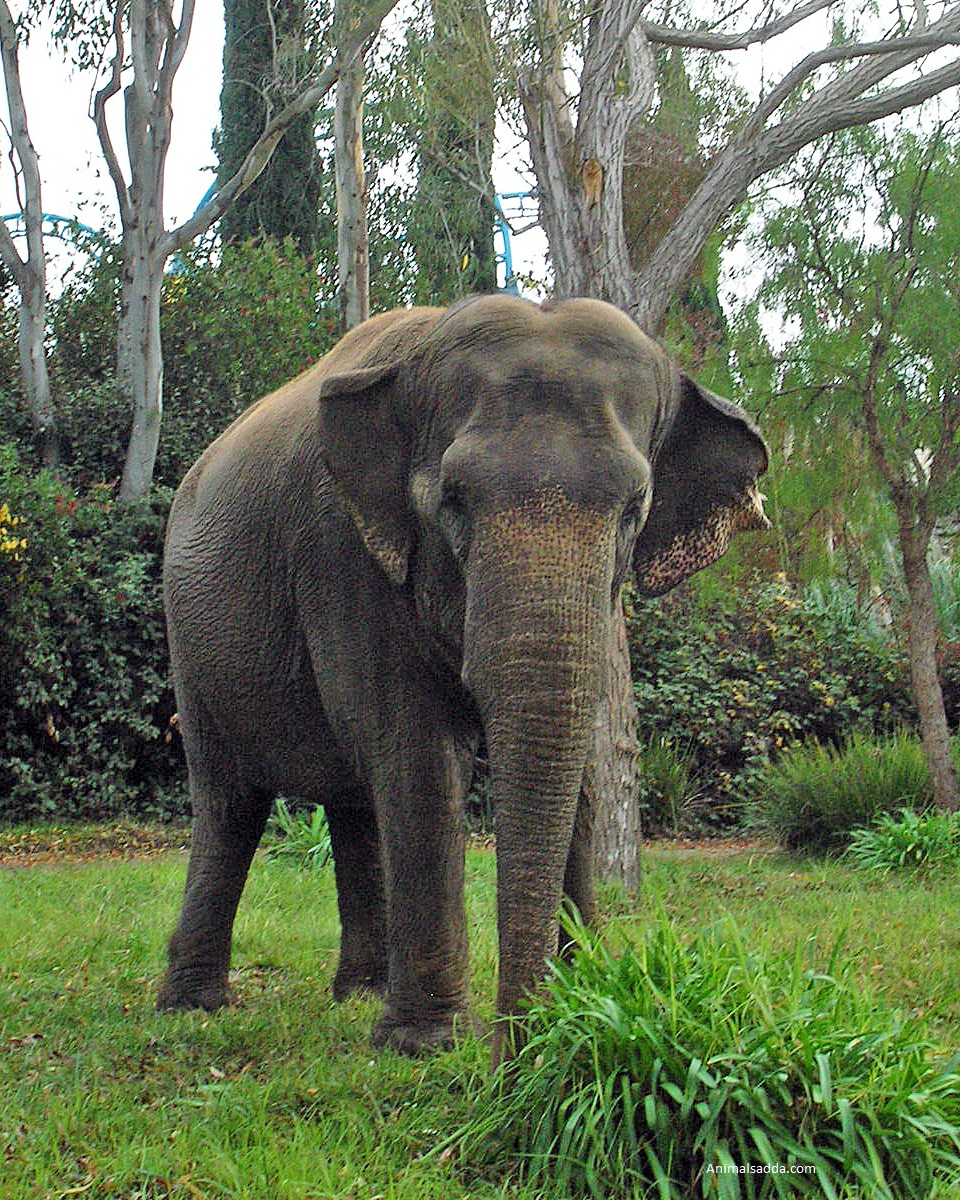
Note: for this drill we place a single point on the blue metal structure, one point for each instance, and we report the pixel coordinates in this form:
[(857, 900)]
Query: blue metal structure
[(54, 225), (514, 201)]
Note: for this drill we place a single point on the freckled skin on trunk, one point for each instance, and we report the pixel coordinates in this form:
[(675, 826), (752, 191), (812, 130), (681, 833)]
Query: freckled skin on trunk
[(535, 570)]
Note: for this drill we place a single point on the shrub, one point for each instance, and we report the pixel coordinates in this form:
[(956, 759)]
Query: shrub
[(85, 699), (815, 795), (234, 325), (909, 841), (741, 679), (651, 1074), (234, 328)]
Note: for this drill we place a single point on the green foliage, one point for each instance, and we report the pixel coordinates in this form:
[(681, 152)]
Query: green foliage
[(740, 680), (85, 699), (909, 841), (657, 1071), (860, 271), (815, 795), (669, 794), (234, 327), (302, 839)]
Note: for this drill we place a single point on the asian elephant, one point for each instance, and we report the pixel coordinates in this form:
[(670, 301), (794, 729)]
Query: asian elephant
[(418, 540)]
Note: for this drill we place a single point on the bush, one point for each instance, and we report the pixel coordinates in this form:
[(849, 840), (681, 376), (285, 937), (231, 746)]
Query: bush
[(234, 325), (814, 795), (910, 841), (741, 680), (651, 1074), (85, 699)]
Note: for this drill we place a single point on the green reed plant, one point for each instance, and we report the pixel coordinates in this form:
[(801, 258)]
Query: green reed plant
[(701, 1069), (814, 795), (300, 838), (908, 841)]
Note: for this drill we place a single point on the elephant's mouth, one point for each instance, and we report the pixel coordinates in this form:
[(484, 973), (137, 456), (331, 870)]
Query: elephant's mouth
[(695, 549)]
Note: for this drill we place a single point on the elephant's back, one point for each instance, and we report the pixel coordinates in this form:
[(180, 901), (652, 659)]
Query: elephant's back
[(278, 429)]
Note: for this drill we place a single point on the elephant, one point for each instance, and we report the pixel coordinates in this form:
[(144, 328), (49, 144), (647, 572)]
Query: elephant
[(418, 542)]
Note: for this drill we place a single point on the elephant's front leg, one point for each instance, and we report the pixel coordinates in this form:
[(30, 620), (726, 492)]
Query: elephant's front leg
[(420, 812)]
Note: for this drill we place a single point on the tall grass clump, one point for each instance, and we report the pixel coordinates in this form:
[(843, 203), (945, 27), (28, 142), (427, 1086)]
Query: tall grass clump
[(301, 839), (813, 796), (909, 841), (669, 790), (701, 1070)]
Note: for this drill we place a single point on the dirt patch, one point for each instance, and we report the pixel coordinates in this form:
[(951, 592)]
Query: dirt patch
[(710, 847), (84, 843)]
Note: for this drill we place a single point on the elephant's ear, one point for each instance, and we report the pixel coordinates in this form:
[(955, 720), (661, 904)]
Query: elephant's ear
[(704, 489), (366, 448)]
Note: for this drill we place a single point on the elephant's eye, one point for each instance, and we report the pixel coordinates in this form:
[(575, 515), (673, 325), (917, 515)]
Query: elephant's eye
[(634, 515), (455, 517)]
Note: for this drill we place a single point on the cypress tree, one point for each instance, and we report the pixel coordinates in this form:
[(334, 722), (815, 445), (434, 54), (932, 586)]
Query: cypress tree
[(264, 54)]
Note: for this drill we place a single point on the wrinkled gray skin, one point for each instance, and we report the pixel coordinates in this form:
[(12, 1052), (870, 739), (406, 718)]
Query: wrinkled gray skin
[(418, 539)]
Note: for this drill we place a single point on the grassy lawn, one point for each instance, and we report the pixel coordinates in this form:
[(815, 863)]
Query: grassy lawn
[(282, 1096)]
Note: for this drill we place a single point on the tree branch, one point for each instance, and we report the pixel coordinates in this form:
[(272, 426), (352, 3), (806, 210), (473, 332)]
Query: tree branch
[(106, 93), (22, 146), (703, 39)]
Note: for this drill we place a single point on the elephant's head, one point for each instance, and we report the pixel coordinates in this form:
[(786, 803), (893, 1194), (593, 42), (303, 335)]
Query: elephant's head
[(506, 465)]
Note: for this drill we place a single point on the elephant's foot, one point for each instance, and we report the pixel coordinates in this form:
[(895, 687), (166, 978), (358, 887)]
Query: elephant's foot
[(359, 977), (177, 995), (421, 1037)]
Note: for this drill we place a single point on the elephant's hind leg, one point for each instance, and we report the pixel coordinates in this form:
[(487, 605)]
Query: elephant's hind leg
[(227, 828), (360, 898)]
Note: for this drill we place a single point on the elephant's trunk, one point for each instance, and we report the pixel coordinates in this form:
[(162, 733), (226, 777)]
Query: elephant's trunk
[(537, 627)]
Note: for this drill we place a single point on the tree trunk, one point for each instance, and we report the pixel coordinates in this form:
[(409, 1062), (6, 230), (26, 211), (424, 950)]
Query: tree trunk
[(264, 54), (29, 274), (140, 361), (611, 781), (352, 260), (579, 172), (34, 376), (922, 651)]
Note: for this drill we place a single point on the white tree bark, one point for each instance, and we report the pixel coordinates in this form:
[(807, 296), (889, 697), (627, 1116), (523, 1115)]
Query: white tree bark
[(352, 261), (576, 142), (29, 271), (157, 45)]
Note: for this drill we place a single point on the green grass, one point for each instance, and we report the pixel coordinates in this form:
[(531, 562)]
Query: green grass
[(282, 1097)]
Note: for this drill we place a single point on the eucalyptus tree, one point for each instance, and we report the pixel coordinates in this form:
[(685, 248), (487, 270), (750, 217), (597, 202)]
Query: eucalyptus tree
[(28, 269), (856, 65), (142, 43), (864, 269), (353, 248), (454, 63)]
